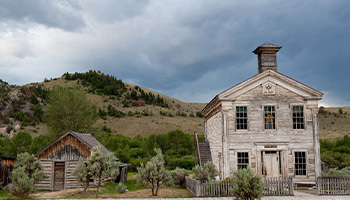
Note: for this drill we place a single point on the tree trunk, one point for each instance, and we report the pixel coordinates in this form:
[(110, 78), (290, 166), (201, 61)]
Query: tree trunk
[(98, 186), (86, 185), (157, 188)]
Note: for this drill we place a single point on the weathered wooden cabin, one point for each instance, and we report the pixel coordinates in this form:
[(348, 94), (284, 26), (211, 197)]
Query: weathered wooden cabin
[(268, 122), (61, 157), (6, 166)]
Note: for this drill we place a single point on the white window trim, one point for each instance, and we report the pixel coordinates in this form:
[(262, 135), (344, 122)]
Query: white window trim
[(291, 116), (243, 151), (235, 117), (307, 164), (276, 117)]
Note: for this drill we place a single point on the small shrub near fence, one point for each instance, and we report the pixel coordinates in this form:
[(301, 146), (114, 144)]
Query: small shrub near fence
[(272, 187), (333, 185)]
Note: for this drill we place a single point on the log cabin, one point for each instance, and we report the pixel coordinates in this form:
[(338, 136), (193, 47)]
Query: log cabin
[(61, 157), (268, 122), (6, 166)]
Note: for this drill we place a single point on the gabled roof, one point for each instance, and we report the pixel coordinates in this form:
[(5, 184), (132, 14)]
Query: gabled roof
[(86, 138), (307, 92)]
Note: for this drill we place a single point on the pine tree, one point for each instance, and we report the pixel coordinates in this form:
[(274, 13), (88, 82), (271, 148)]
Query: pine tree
[(154, 173)]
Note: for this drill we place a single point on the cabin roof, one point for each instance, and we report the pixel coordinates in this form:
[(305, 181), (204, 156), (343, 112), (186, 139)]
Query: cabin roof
[(7, 158), (86, 138)]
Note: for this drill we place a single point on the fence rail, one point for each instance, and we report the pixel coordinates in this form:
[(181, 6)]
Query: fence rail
[(272, 187), (333, 185), (278, 187)]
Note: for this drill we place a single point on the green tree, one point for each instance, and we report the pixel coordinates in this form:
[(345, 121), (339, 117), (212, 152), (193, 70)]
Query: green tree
[(31, 165), (69, 110), (82, 174), (206, 173), (154, 173), (102, 167), (21, 142), (21, 184), (248, 185), (39, 143)]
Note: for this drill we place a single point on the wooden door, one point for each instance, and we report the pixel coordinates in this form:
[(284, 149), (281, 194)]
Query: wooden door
[(58, 181), (271, 165)]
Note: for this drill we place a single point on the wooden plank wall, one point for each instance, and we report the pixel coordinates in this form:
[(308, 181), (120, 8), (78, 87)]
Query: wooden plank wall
[(6, 168), (46, 184), (68, 148)]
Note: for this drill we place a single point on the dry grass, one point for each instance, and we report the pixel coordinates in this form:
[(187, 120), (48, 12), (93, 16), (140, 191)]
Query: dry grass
[(137, 124), (332, 127)]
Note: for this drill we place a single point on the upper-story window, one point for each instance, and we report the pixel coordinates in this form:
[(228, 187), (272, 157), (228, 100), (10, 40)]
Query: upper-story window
[(269, 117), (298, 117), (241, 118)]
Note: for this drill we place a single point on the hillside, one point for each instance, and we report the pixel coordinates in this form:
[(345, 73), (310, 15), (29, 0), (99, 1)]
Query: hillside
[(135, 110)]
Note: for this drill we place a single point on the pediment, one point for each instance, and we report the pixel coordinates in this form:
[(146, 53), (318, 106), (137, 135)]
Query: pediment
[(268, 81)]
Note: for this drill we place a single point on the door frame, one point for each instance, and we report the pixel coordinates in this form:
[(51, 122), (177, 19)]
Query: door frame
[(64, 174), (272, 146)]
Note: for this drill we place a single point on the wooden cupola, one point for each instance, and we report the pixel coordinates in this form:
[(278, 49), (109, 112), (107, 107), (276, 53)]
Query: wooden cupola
[(267, 56)]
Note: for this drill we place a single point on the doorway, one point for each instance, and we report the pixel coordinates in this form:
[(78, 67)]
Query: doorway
[(271, 161), (59, 178)]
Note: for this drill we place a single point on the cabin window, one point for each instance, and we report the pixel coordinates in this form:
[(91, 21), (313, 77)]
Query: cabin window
[(242, 160), (241, 118), (269, 117), (298, 117), (300, 163)]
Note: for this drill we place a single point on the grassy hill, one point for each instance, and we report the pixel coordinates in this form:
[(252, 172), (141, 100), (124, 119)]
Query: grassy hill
[(142, 111), (137, 110)]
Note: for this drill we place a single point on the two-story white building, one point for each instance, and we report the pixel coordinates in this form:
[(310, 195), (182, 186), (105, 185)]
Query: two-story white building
[(268, 122)]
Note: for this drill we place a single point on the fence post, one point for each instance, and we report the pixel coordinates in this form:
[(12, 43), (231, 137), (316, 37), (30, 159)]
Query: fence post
[(198, 188)]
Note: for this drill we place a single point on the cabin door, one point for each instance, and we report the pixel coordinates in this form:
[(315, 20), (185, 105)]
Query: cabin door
[(59, 179), (271, 164)]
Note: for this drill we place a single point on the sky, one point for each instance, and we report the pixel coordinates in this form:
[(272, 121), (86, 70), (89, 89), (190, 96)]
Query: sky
[(188, 50)]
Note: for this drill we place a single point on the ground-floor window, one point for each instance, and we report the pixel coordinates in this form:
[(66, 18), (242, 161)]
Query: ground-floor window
[(242, 160), (300, 163)]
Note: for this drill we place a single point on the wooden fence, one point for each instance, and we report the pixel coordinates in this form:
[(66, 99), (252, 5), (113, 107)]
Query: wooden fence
[(333, 185), (278, 187), (272, 187)]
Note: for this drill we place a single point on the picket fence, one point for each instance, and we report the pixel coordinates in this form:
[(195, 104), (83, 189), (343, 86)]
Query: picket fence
[(333, 185), (272, 187)]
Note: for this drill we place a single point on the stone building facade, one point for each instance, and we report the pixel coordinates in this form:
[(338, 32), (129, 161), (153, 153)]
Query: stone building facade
[(268, 122)]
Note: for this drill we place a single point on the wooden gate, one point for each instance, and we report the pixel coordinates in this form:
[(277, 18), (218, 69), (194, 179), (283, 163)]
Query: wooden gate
[(59, 178)]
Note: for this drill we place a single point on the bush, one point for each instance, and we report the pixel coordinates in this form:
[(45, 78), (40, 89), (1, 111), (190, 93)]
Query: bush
[(179, 176), (343, 172), (206, 173), (21, 185), (248, 185), (6, 120), (121, 188)]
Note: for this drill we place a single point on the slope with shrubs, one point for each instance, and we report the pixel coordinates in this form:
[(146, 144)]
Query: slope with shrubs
[(123, 108)]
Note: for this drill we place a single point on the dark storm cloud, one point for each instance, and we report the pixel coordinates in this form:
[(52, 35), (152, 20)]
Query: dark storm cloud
[(58, 14), (190, 50)]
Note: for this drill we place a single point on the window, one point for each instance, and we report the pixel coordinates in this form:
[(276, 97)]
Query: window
[(241, 117), (300, 163), (242, 160), (269, 117), (298, 117)]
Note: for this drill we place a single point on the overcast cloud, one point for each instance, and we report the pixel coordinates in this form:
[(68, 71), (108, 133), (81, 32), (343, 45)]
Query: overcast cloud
[(189, 50)]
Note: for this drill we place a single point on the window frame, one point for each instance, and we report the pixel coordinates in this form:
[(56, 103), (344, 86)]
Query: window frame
[(245, 164), (306, 163), (235, 117), (264, 119), (304, 116)]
